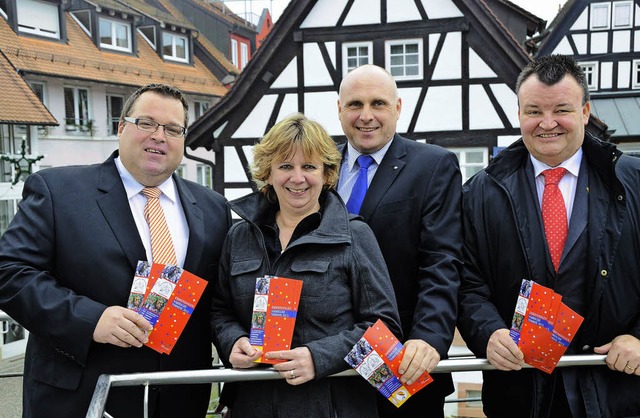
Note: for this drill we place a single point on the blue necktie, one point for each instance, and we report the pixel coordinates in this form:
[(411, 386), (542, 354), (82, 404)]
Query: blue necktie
[(361, 184)]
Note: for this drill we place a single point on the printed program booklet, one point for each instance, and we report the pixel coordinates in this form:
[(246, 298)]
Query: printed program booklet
[(169, 297), (376, 357), (542, 325), (275, 307)]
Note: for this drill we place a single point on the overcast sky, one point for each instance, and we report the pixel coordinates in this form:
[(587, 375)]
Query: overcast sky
[(545, 9)]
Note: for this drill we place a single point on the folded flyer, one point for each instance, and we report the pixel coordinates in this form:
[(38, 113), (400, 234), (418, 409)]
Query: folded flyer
[(169, 298), (275, 307), (542, 325), (376, 357)]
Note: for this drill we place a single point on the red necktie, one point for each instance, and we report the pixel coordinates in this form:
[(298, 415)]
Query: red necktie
[(554, 214), (161, 244)]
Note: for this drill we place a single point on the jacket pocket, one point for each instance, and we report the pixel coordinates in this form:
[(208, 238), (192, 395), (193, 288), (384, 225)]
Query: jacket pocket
[(243, 275), (56, 371)]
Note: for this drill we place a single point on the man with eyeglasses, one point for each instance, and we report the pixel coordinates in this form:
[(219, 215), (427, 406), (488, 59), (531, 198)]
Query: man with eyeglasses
[(68, 259)]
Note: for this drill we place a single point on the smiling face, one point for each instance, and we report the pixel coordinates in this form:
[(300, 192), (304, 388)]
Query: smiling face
[(369, 108), (298, 182), (152, 157), (552, 118)]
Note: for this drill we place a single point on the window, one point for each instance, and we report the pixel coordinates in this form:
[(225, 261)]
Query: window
[(404, 59), (472, 160), (181, 171), (115, 35), (3, 8), (175, 47), (39, 18), (200, 107), (355, 55), (600, 16), (83, 17), (76, 110), (40, 89), (591, 73), (204, 176), (115, 103), (635, 73), (622, 14), (148, 34), (244, 55)]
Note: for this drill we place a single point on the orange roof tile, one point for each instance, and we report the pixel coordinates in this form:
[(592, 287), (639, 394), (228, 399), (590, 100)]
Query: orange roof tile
[(79, 58), (24, 106)]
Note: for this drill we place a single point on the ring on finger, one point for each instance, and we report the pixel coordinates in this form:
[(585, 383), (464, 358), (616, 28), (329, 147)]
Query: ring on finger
[(293, 376), (630, 368)]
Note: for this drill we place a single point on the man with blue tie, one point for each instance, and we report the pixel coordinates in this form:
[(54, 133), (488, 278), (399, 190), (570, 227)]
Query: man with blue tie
[(409, 194), (561, 208)]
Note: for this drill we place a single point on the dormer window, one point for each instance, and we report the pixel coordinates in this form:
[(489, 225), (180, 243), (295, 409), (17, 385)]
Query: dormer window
[(38, 18), (115, 34), (175, 47)]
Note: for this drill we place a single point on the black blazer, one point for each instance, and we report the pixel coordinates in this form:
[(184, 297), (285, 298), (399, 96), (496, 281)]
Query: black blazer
[(69, 253), (413, 207)]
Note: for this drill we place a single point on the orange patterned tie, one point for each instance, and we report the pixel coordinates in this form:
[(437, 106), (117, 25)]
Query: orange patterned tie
[(161, 244), (554, 214)]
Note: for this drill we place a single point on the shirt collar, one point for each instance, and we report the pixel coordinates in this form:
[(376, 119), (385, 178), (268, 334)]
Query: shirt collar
[(353, 154), (133, 187), (572, 165)]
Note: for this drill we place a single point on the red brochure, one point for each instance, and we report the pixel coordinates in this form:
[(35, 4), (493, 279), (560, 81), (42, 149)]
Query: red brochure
[(538, 311), (168, 300), (376, 357), (174, 317), (275, 307)]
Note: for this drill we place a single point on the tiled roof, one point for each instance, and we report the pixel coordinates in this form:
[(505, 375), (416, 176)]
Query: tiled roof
[(157, 14), (79, 58), (24, 106)]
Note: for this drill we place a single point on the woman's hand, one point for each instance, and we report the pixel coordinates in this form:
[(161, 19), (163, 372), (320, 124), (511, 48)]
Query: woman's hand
[(243, 354), (298, 369)]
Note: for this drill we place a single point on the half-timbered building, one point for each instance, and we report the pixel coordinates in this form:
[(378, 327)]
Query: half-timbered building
[(604, 36), (455, 63)]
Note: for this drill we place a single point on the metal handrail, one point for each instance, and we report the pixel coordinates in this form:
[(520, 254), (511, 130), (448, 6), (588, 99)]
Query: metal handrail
[(105, 382)]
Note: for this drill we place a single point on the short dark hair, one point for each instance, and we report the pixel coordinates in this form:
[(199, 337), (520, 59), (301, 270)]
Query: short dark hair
[(550, 69), (164, 90)]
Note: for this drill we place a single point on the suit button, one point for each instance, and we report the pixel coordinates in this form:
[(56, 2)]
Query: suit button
[(586, 347), (604, 273)]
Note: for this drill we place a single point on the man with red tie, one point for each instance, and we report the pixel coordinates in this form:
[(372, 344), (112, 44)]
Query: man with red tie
[(561, 208)]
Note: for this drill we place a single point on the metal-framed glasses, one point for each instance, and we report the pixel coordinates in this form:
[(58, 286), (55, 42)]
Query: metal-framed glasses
[(148, 125)]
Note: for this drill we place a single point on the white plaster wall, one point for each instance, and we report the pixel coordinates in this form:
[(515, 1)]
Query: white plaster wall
[(403, 11), (449, 64), (442, 109), (599, 41), (606, 75), (621, 41)]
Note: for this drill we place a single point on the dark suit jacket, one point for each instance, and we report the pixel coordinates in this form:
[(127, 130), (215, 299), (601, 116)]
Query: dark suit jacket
[(69, 253), (413, 207)]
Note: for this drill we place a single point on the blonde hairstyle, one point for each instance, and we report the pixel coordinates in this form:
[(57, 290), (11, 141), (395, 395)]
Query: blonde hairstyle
[(280, 143)]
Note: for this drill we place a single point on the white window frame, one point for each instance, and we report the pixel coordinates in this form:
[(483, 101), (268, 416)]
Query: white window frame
[(38, 18), (45, 95), (204, 175), (78, 125), (174, 56), (151, 42), (181, 171), (635, 74), (244, 55), (234, 53), (418, 65), (596, 11), (76, 16), (113, 120), (465, 167), (618, 5), (591, 73), (361, 59), (114, 25)]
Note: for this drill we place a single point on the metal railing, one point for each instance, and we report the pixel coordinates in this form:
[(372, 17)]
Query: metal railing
[(105, 382)]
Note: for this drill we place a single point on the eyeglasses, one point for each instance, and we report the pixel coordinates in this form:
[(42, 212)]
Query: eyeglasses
[(148, 125)]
